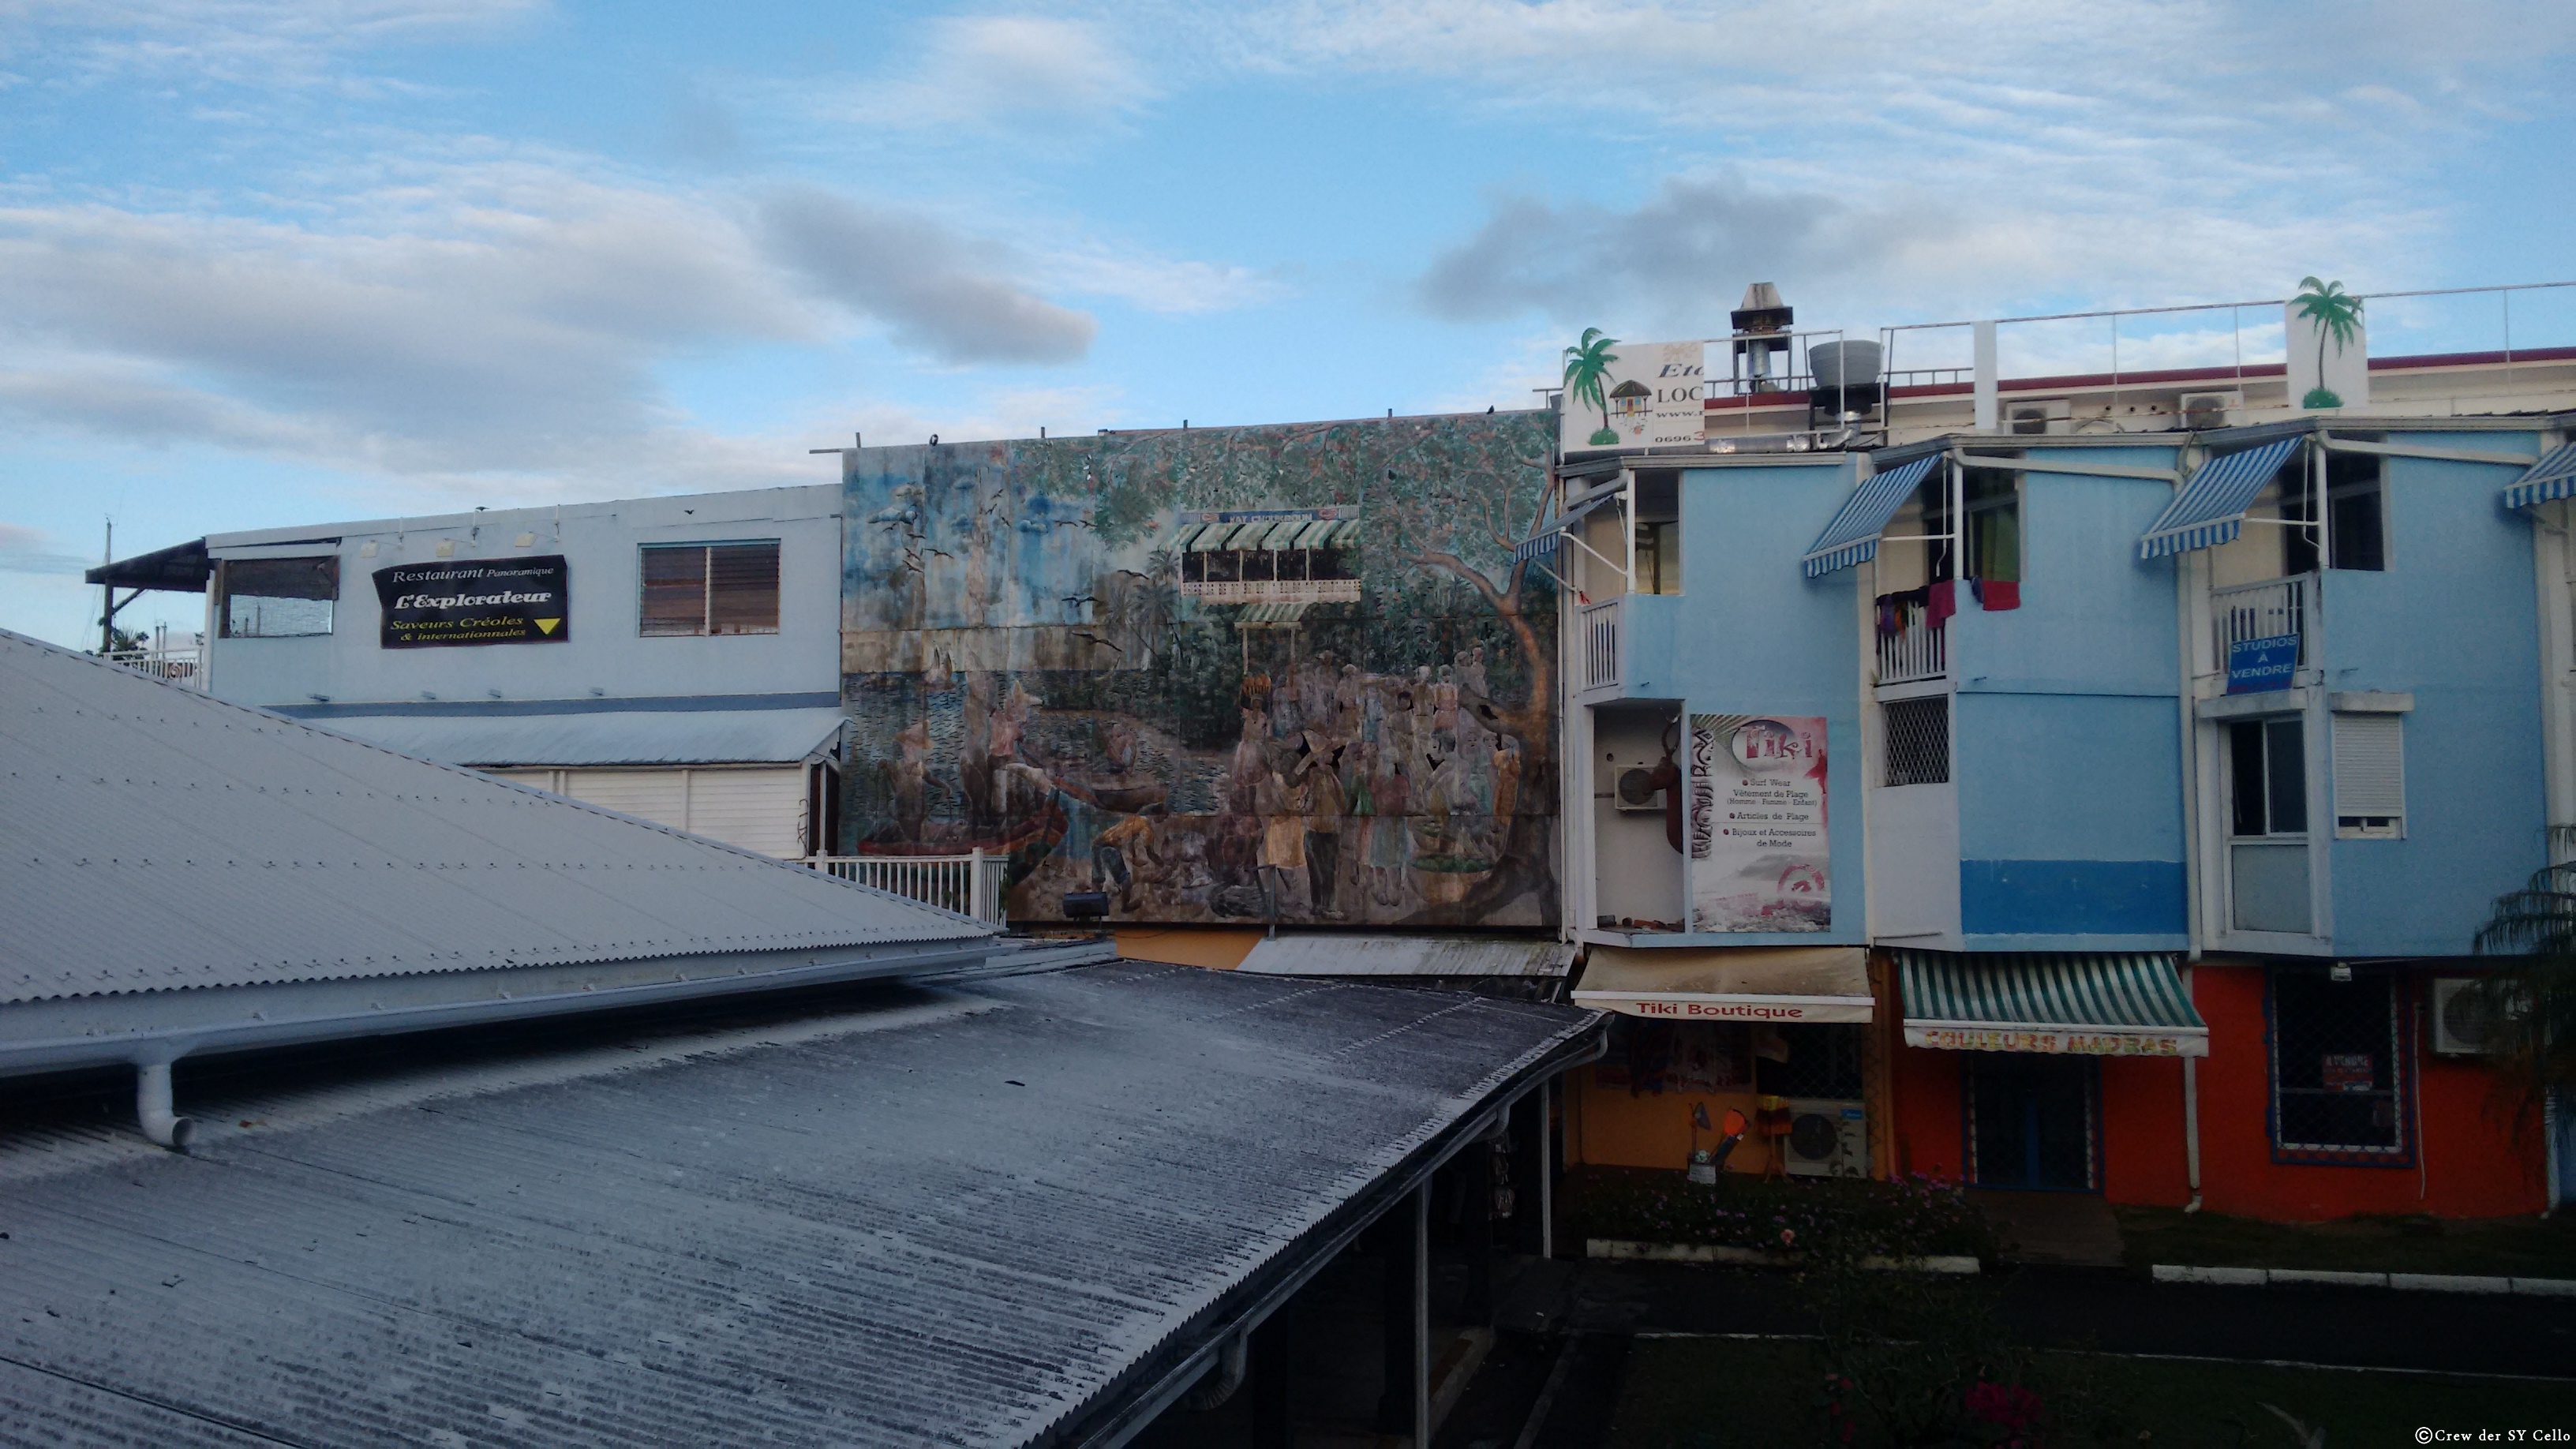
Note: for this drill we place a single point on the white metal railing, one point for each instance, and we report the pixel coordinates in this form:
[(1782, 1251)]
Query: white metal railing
[(177, 663), (970, 885), (1918, 649), (2273, 609), (1600, 630), (1273, 591)]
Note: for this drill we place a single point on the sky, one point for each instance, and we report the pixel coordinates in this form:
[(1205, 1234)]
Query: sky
[(277, 264)]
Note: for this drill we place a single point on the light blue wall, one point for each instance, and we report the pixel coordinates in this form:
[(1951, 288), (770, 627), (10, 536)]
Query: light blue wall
[(2454, 620), (2065, 743), (1752, 635)]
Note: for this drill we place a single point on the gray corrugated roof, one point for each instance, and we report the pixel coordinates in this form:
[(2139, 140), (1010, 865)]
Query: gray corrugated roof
[(1326, 953), (637, 737), (152, 837), (807, 1235)]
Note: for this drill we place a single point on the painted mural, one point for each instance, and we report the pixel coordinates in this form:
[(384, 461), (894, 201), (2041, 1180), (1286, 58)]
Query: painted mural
[(1283, 673)]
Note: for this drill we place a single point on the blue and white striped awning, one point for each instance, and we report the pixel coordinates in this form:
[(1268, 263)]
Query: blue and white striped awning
[(2096, 1004), (1853, 535), (1538, 545), (2553, 477), (2210, 509), (1543, 543)]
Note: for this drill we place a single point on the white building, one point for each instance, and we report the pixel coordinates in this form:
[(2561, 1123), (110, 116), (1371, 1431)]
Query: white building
[(676, 659)]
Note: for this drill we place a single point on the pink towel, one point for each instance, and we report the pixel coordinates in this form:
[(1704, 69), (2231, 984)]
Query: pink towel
[(1945, 602)]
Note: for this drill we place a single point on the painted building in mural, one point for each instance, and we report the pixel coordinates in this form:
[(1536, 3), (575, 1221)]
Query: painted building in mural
[(1288, 673)]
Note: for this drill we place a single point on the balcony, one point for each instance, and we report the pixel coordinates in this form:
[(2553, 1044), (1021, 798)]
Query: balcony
[(1272, 591), (1598, 627), (2252, 623), (1916, 649)]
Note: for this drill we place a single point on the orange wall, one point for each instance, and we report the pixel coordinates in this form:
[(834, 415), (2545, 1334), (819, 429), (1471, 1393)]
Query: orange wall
[(2143, 1157), (1929, 1138), (2470, 1163), (1651, 1129), (1213, 946)]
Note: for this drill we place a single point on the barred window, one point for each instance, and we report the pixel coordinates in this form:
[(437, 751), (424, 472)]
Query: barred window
[(1916, 738), (703, 588), (2338, 1065)]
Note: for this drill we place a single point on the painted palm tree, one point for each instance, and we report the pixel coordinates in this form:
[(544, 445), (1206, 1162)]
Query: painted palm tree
[(2337, 315), (2529, 1003), (1587, 366)]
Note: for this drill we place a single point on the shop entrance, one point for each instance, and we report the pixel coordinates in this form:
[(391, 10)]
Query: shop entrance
[(2032, 1120)]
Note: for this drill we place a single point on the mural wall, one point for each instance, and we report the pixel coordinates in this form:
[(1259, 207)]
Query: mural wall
[(1214, 675)]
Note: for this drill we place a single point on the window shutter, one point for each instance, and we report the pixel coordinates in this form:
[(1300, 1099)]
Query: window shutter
[(2370, 764)]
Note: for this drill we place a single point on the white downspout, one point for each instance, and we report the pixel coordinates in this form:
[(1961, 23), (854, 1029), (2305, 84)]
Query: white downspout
[(2191, 1111), (152, 1107)]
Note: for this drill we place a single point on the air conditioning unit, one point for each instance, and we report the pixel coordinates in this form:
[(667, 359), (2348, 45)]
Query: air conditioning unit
[(2464, 1024), (2056, 415), (2202, 411), (1826, 1139), (1636, 792)]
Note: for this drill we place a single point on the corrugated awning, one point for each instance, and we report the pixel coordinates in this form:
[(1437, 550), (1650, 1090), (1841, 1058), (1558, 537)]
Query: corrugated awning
[(2210, 509), (1853, 535), (1313, 534), (1751, 983), (692, 737), (2087, 1004), (2553, 477), (1211, 537), (1326, 954), (1283, 534), (1184, 536)]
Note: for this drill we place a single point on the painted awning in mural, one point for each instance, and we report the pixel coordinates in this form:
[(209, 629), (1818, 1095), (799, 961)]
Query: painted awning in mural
[(1755, 983), (2552, 478), (1852, 537), (2085, 1004), (1334, 953), (2210, 509)]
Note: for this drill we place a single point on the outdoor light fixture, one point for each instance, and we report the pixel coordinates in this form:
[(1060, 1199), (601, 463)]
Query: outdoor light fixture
[(2339, 971)]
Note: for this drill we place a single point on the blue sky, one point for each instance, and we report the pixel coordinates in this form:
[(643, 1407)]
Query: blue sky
[(278, 264)]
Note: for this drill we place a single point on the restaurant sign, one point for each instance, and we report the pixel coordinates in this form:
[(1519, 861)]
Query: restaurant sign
[(475, 601), (2059, 1040)]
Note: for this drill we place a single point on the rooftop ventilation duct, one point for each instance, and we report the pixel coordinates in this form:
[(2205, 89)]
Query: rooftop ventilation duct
[(1759, 324)]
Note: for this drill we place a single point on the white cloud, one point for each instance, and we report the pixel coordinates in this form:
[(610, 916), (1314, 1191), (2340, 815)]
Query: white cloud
[(994, 72), (27, 550), (243, 42)]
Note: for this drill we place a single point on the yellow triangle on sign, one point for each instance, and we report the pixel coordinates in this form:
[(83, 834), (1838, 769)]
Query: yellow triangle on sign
[(547, 626)]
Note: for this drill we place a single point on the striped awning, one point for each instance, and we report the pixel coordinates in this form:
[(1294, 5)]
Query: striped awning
[(2553, 477), (2090, 1004), (2210, 509), (1283, 533), (1212, 538), (1270, 615), (1853, 535), (1538, 545), (1183, 536), (1312, 534)]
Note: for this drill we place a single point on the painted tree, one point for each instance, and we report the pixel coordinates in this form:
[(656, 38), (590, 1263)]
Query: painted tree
[(2337, 315), (1587, 366)]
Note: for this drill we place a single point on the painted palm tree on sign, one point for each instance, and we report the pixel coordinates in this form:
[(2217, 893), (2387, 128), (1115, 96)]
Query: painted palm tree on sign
[(2337, 315), (1587, 366)]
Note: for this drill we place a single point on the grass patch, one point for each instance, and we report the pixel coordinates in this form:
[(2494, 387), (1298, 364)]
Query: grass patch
[(1718, 1394), (2499, 1247), (1645, 1205)]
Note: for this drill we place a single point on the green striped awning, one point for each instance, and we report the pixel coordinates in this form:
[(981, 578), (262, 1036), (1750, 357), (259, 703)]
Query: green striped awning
[(2096, 1004)]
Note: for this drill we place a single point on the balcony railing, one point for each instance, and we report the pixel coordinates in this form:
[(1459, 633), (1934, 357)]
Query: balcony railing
[(1599, 627), (181, 664), (1916, 649), (970, 885), (2273, 609), (1273, 591)]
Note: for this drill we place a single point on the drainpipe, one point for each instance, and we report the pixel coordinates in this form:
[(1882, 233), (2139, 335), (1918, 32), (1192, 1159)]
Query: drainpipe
[(1220, 1382), (152, 1107), (2190, 1114)]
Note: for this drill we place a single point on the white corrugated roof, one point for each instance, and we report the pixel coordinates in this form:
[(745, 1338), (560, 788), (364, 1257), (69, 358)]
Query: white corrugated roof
[(625, 737), (154, 838)]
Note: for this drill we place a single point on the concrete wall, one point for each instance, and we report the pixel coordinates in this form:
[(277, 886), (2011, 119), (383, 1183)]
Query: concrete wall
[(604, 655), (2452, 622), (2066, 738)]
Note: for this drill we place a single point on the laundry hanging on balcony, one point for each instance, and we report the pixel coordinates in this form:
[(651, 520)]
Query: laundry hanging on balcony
[(2088, 1004), (2210, 509), (2552, 478), (1853, 535)]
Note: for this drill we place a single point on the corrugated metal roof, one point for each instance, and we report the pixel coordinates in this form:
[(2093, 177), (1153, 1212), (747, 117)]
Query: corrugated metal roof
[(695, 737), (1329, 954), (152, 838), (980, 1222)]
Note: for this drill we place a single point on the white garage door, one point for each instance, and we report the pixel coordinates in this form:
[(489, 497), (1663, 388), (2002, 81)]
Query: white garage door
[(756, 807)]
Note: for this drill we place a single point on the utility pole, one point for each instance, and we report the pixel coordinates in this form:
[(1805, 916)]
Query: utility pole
[(107, 596)]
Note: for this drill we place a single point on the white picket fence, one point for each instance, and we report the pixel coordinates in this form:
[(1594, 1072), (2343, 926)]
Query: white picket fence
[(970, 885)]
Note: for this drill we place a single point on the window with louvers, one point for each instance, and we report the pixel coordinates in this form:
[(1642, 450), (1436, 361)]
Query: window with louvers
[(1917, 741), (719, 588), (2369, 775)]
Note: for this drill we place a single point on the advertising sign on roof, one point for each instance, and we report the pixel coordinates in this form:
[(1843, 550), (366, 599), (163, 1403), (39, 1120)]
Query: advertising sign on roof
[(1632, 395), (474, 601)]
